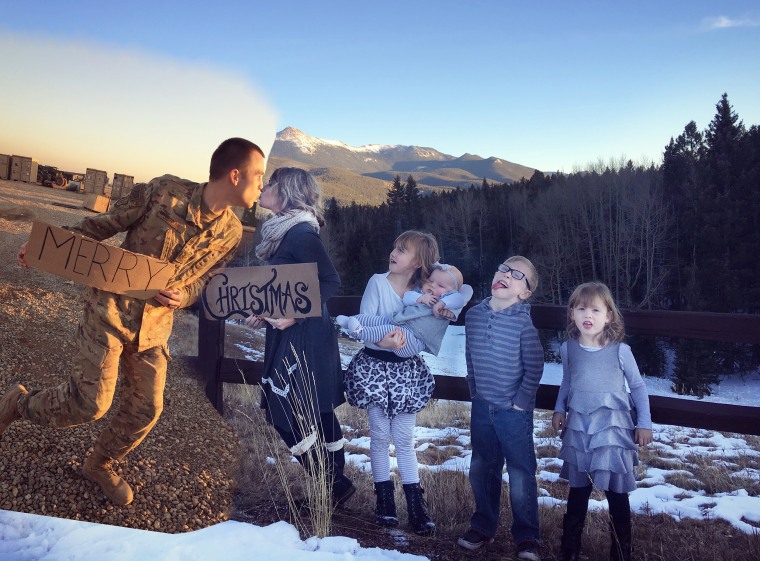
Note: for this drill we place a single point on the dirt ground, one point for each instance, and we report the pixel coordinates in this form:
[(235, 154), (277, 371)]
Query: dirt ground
[(184, 472)]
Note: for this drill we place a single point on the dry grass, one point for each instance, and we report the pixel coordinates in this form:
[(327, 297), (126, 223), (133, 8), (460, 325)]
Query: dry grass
[(442, 413), (261, 493), (450, 503), (720, 477), (268, 468), (354, 418)]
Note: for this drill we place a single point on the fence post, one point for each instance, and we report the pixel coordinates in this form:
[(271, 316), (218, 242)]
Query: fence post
[(210, 354)]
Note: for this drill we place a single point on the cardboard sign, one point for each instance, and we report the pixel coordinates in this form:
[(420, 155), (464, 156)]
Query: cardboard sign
[(273, 291), (76, 257)]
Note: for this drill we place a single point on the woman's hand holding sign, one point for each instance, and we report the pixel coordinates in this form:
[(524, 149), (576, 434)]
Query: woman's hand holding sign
[(280, 323), (254, 322)]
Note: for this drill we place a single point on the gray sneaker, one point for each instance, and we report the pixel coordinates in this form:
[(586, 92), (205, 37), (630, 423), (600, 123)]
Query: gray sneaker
[(528, 550), (473, 540)]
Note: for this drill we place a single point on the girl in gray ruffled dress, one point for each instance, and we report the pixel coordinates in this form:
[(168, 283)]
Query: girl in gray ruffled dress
[(600, 427)]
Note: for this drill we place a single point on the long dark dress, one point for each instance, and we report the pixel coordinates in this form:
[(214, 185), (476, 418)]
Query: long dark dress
[(313, 340)]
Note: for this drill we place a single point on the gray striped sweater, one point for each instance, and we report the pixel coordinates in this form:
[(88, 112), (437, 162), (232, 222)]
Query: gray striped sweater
[(505, 359)]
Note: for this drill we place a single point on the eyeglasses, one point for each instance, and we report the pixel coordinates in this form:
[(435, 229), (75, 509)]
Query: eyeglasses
[(517, 275)]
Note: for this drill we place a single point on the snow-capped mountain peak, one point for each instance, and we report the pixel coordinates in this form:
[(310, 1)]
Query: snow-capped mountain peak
[(309, 144), (384, 161)]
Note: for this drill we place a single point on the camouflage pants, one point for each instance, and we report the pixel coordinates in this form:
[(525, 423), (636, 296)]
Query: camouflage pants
[(89, 391)]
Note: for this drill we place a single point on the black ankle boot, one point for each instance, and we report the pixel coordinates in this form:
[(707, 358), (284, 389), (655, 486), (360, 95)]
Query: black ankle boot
[(572, 531), (385, 511), (416, 508)]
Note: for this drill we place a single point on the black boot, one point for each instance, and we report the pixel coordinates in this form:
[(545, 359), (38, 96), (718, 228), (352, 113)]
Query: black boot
[(620, 541), (385, 510), (342, 489), (572, 530), (416, 508), (620, 527), (335, 462)]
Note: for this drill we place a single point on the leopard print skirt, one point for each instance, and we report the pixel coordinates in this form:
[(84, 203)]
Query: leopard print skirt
[(395, 387)]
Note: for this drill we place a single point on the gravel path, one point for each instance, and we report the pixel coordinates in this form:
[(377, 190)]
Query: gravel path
[(183, 474)]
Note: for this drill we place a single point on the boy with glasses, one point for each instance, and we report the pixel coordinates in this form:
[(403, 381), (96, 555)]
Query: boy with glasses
[(505, 361)]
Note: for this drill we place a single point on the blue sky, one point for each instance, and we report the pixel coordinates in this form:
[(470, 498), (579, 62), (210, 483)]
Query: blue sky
[(145, 88)]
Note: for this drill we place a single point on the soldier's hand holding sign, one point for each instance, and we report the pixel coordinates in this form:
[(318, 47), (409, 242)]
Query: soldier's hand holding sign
[(169, 298), (20, 256)]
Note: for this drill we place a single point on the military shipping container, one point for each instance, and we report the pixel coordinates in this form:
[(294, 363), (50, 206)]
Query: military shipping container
[(122, 185), (5, 166), (23, 169), (95, 181)]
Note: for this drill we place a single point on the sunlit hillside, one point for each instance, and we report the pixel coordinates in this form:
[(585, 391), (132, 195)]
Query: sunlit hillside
[(347, 186)]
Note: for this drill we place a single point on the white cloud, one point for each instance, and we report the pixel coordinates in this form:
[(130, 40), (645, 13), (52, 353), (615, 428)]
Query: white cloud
[(726, 22), (75, 104)]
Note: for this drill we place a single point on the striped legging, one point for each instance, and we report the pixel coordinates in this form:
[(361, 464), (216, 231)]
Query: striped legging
[(401, 430)]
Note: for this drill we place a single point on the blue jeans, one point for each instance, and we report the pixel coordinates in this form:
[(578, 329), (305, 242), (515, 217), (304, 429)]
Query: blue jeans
[(499, 435)]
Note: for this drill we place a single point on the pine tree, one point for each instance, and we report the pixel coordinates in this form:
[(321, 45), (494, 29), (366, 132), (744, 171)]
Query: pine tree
[(681, 187), (395, 193), (721, 207), (411, 191)]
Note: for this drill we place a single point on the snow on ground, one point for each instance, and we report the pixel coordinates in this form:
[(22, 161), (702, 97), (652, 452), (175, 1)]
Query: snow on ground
[(27, 537)]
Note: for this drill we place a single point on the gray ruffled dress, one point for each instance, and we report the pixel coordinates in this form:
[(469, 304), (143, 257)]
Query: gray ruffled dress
[(597, 442)]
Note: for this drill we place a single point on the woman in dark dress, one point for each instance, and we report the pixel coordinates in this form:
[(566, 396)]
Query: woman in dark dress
[(303, 380)]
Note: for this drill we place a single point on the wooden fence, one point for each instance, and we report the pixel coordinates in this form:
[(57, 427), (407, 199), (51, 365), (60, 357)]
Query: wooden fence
[(218, 369)]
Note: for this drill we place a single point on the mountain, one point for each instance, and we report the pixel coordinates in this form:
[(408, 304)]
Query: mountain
[(362, 174)]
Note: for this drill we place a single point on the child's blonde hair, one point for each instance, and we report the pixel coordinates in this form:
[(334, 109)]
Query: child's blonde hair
[(584, 295), (531, 273), (425, 250)]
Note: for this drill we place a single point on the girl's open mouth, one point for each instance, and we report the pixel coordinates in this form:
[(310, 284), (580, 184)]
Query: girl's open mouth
[(499, 284)]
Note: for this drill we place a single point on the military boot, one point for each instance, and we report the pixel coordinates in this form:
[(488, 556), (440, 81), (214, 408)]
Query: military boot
[(9, 406), (99, 469)]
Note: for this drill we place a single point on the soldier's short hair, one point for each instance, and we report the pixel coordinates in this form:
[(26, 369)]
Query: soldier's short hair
[(231, 154)]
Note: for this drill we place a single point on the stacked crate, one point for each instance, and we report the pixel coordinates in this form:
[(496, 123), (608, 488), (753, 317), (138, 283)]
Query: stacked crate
[(122, 186)]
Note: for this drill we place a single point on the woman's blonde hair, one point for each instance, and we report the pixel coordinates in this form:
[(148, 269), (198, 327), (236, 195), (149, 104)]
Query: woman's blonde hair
[(425, 249), (296, 188), (584, 295)]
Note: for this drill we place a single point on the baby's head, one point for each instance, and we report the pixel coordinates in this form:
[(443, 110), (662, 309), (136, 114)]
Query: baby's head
[(443, 279)]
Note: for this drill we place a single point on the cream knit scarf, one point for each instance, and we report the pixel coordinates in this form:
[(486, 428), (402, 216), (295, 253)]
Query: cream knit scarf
[(276, 227)]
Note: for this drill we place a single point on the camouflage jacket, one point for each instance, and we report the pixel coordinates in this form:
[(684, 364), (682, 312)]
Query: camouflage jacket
[(162, 219)]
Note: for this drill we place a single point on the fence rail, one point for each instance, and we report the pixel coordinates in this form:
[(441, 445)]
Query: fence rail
[(219, 369)]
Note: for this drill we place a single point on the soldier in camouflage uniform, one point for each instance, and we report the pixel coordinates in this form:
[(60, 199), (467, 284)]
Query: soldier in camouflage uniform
[(187, 224)]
